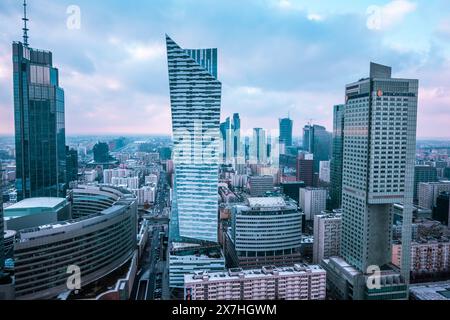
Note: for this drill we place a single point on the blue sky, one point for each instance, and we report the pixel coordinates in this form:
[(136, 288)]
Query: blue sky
[(275, 57)]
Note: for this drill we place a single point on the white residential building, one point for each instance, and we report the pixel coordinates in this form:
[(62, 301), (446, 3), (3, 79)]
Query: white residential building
[(312, 201), (324, 171), (299, 282), (429, 191), (327, 236)]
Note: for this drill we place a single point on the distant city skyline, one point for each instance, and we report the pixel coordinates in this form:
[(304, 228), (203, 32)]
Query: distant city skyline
[(295, 63)]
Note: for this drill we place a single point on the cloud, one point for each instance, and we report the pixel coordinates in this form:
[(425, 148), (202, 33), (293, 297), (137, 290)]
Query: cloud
[(315, 17), (389, 15), (274, 58)]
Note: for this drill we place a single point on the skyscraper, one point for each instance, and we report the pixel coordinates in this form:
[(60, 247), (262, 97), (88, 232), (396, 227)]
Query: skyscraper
[(317, 141), (39, 123), (226, 140), (195, 96), (337, 156), (259, 145), (379, 155), (286, 125), (237, 148)]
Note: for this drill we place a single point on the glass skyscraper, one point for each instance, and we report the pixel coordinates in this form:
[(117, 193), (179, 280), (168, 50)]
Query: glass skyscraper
[(39, 124), (195, 95), (337, 156), (317, 140), (286, 131)]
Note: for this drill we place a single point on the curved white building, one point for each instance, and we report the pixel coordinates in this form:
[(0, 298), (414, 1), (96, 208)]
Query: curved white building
[(98, 244), (265, 231)]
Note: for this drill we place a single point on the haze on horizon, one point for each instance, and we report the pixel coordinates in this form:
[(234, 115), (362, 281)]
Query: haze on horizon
[(276, 57)]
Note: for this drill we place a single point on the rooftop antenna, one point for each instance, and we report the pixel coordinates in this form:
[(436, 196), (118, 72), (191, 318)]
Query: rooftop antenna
[(25, 20)]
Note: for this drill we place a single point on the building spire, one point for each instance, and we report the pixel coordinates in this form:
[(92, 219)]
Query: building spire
[(25, 20)]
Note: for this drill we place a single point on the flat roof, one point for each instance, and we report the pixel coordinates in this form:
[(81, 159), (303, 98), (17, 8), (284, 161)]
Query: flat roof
[(233, 274), (267, 202), (32, 203), (431, 291)]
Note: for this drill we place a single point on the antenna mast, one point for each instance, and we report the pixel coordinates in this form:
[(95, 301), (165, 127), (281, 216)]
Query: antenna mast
[(25, 20)]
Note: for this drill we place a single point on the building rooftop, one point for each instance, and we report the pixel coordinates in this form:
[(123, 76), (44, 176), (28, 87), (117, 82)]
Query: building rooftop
[(269, 202), (431, 291), (31, 203), (238, 273)]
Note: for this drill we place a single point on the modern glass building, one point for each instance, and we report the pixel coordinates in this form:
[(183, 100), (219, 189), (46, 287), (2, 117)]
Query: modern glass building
[(286, 131), (237, 149), (195, 95), (337, 157), (39, 124), (317, 140)]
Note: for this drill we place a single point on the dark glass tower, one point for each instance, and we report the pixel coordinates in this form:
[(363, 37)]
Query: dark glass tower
[(317, 141), (237, 135), (337, 157), (39, 124), (286, 131)]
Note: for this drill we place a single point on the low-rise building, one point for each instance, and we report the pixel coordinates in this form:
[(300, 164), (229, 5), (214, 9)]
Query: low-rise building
[(299, 282)]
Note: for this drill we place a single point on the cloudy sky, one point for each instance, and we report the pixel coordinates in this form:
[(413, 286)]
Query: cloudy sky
[(275, 57)]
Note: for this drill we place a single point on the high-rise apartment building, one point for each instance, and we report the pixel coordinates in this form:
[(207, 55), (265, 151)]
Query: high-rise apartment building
[(379, 155), (39, 124), (337, 157), (327, 236), (324, 172), (286, 126), (299, 282), (195, 96), (429, 192), (423, 173), (312, 201)]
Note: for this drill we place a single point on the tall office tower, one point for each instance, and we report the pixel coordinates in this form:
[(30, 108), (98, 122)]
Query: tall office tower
[(259, 146), (305, 169), (327, 236), (195, 96), (317, 141), (226, 140), (237, 148), (379, 156), (286, 125), (307, 133), (337, 157), (39, 123), (72, 165), (423, 174)]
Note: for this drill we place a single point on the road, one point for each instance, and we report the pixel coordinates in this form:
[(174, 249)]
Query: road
[(151, 277)]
